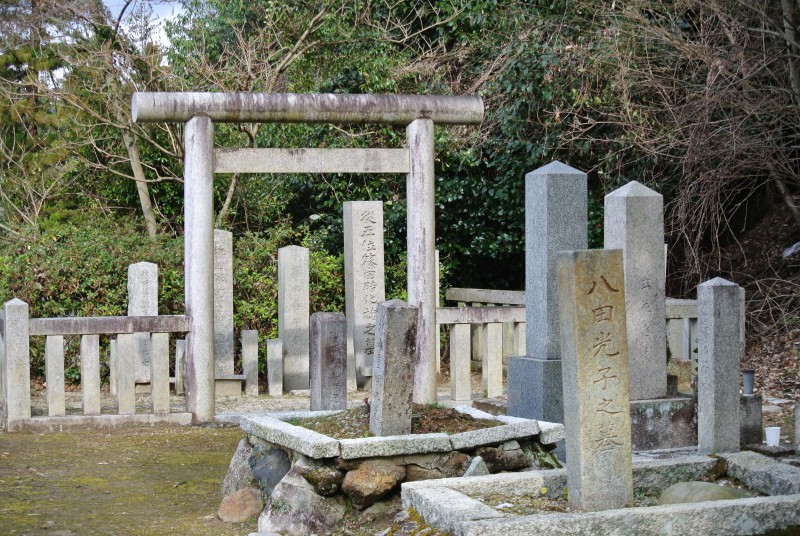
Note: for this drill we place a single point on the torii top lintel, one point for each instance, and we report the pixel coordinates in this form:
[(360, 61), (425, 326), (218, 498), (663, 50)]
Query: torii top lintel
[(153, 107)]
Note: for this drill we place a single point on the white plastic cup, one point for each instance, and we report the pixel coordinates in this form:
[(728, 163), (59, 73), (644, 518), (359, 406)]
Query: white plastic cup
[(773, 435)]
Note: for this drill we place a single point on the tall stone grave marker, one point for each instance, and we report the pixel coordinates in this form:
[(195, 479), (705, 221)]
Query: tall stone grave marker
[(328, 353), (594, 356), (393, 369), (363, 282), (293, 311), (223, 301), (719, 352), (142, 301), (634, 223), (556, 204)]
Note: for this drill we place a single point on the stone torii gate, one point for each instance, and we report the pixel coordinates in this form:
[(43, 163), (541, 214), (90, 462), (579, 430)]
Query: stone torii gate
[(199, 112)]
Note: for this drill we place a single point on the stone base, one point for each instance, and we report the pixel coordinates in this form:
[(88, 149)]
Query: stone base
[(143, 389), (774, 452), (664, 423), (750, 419), (228, 387), (493, 406), (534, 389)]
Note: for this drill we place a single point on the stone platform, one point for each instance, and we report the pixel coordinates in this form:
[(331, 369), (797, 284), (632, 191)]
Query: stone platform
[(451, 504)]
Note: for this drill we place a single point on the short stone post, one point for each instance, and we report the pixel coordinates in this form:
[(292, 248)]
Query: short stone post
[(421, 238), (293, 312), (250, 361), (90, 374), (364, 283), (460, 377), (328, 358), (112, 366), (492, 369), (634, 223), (54, 374), (180, 366), (160, 369), (556, 212), (223, 301), (126, 375), (142, 301), (393, 369), (17, 362), (274, 367), (597, 422), (719, 306)]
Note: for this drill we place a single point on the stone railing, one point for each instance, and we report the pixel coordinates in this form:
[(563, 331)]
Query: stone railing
[(682, 330), (16, 328), (488, 325)]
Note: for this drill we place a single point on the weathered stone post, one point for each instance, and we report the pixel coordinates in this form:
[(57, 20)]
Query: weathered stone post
[(293, 312), (142, 301), (393, 370), (594, 357), (180, 366), (421, 235), (364, 283), (160, 367), (719, 306), (460, 388), (90, 374), (126, 379), (223, 301), (274, 367), (492, 369), (54, 371), (556, 205), (198, 192), (17, 362), (328, 357), (112, 366), (634, 223), (250, 361)]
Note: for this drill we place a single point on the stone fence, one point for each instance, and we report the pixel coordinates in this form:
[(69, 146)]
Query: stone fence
[(491, 322), (16, 328)]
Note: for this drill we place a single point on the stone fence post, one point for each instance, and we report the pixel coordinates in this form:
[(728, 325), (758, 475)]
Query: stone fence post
[(17, 361)]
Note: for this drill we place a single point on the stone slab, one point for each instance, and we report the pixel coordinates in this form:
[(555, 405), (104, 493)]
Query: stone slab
[(751, 421), (54, 366), (231, 387), (328, 361), (369, 447), (142, 301), (77, 422), (663, 424), (250, 361), (763, 473), (305, 441), (274, 367)]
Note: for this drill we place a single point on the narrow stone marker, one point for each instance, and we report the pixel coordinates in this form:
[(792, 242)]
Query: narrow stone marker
[(719, 308), (90, 374), (223, 301), (328, 368), (142, 301), (293, 312), (250, 361), (274, 367), (594, 354), (634, 223), (363, 282), (393, 368), (180, 366), (54, 367)]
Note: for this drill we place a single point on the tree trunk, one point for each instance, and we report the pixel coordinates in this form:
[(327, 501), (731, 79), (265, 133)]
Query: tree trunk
[(141, 184)]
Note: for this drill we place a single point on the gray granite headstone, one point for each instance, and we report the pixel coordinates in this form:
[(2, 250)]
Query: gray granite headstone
[(223, 301), (293, 313), (250, 361), (634, 223), (556, 212), (720, 349), (594, 356), (142, 301), (328, 353), (393, 369), (363, 282), (274, 367)]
